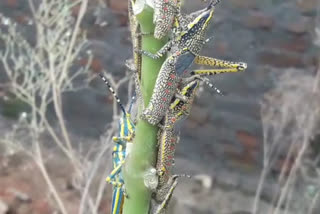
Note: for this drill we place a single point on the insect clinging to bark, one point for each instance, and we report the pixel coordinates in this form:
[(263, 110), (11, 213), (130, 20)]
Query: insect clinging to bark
[(168, 139), (164, 15), (184, 50), (119, 153)]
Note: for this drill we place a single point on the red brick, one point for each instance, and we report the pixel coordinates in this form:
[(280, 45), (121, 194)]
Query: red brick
[(119, 5), (245, 159), (11, 3), (300, 26), (6, 196), (248, 159), (123, 19), (41, 207), (248, 140), (231, 150), (199, 115), (75, 10), (307, 5), (258, 19), (22, 19), (95, 66), (295, 44), (312, 59), (243, 4), (190, 125), (281, 60), (109, 99), (221, 48), (284, 165), (105, 205)]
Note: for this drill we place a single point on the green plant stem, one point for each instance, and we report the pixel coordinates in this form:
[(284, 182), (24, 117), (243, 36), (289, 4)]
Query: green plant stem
[(143, 154)]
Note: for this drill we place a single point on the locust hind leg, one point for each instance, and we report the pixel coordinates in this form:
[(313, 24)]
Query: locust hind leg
[(161, 209), (204, 79), (204, 60), (206, 72)]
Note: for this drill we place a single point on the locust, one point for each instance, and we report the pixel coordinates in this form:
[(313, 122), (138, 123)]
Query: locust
[(119, 153), (183, 50), (169, 138), (164, 16)]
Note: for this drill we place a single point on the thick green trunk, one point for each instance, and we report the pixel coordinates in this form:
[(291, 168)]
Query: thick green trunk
[(143, 154)]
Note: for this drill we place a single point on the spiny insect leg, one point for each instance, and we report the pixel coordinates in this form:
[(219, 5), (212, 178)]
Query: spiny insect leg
[(114, 173), (214, 71), (211, 85), (173, 184), (159, 54), (204, 60), (187, 80), (122, 139), (116, 183), (162, 207), (181, 97)]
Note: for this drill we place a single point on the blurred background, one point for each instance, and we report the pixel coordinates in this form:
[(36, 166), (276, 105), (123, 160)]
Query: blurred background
[(255, 150)]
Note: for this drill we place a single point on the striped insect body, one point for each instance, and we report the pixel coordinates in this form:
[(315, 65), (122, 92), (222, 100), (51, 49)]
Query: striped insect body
[(169, 136), (119, 153), (164, 15)]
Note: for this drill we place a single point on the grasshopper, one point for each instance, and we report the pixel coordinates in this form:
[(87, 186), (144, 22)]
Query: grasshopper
[(125, 136), (184, 50), (164, 14), (168, 140), (167, 14)]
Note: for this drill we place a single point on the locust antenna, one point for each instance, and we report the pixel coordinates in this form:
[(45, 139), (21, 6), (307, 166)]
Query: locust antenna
[(113, 92)]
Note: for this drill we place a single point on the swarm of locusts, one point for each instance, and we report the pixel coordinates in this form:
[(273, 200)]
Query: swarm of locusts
[(173, 95)]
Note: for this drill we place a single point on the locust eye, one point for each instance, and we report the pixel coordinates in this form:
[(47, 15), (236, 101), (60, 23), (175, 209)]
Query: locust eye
[(242, 66)]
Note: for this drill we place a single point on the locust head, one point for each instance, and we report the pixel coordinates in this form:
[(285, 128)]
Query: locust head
[(198, 27)]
